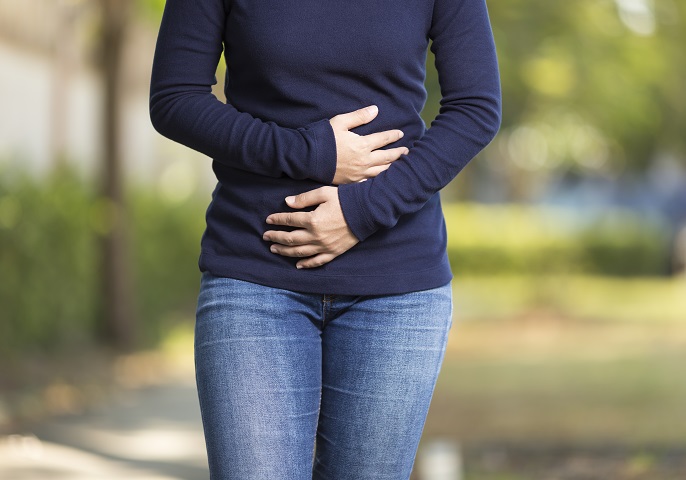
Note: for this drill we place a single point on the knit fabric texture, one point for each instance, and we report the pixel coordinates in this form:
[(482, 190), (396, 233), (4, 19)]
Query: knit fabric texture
[(290, 67)]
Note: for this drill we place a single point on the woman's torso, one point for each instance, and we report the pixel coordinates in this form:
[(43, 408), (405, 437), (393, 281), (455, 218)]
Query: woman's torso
[(294, 63)]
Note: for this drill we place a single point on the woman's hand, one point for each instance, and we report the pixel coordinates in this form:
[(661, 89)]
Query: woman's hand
[(323, 234), (357, 156)]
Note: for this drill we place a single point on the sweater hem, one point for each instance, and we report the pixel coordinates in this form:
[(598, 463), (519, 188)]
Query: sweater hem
[(312, 282)]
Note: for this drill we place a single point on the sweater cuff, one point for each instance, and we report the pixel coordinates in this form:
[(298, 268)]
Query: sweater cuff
[(349, 197), (324, 166)]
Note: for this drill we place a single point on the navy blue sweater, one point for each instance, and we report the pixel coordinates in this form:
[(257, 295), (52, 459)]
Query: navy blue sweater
[(292, 65)]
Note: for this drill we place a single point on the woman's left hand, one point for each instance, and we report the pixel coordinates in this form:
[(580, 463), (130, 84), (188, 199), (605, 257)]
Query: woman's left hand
[(323, 234)]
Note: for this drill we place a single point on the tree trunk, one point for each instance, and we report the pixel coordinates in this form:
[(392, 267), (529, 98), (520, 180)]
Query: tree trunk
[(117, 314), (59, 96)]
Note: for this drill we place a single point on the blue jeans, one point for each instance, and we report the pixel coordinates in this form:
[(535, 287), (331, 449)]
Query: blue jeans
[(296, 386)]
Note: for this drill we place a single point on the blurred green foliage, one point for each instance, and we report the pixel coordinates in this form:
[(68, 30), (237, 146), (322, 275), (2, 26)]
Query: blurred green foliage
[(615, 65), (49, 228), (166, 246), (47, 261), (529, 239), (592, 88), (150, 9), (49, 287)]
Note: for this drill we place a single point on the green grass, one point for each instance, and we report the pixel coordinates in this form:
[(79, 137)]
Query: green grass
[(649, 299), (629, 400), (573, 368)]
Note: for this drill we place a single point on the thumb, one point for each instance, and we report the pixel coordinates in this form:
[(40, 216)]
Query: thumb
[(358, 117), (307, 199)]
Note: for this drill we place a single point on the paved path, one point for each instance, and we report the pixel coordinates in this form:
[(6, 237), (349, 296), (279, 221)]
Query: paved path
[(153, 433), (147, 433)]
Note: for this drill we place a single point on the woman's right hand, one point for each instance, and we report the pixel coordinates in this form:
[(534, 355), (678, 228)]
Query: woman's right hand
[(357, 156)]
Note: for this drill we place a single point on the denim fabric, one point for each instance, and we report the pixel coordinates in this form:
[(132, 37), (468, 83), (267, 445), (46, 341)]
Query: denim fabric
[(296, 386)]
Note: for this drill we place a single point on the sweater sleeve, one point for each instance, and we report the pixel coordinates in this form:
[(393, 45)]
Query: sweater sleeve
[(183, 108), (468, 119)]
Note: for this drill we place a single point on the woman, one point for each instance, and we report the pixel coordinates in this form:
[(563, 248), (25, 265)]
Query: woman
[(325, 299)]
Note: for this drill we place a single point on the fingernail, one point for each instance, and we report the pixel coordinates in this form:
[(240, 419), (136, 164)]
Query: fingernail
[(373, 109), (400, 135), (290, 200), (269, 220), (298, 266), (272, 249)]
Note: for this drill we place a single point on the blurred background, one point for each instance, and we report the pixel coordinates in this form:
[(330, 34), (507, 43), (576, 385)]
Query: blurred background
[(567, 237)]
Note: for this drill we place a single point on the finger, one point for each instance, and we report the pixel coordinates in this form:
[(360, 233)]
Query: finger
[(291, 219), (355, 118), (316, 261), (307, 199), (296, 251), (296, 237), (379, 139), (381, 157), (374, 171)]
